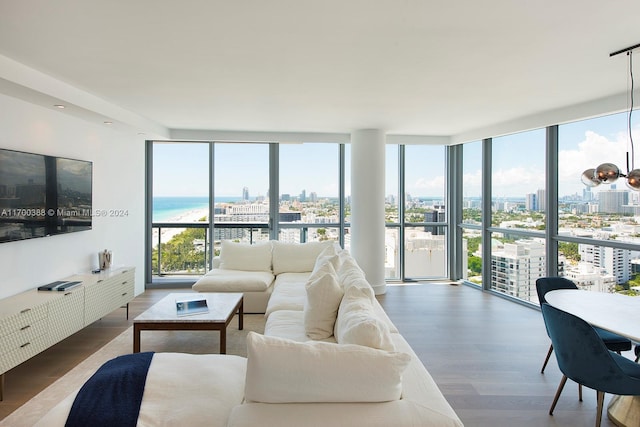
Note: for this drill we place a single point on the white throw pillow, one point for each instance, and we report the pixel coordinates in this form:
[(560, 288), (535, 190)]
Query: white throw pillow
[(243, 256), (285, 371), (324, 294), (296, 257), (357, 323), (350, 273), (329, 254)]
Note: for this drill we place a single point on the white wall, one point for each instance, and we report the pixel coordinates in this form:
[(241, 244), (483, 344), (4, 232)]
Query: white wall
[(118, 183)]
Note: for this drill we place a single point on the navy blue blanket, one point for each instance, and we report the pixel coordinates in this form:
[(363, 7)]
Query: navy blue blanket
[(112, 396)]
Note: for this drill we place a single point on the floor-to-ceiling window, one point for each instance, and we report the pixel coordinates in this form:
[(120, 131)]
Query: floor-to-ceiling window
[(472, 212), (232, 189), (180, 202), (392, 262), (203, 192), (425, 249), (309, 192), (241, 192), (598, 227), (518, 213)]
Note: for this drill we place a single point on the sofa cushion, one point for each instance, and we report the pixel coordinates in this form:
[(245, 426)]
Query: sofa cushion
[(324, 294), (242, 256), (331, 372), (219, 280), (289, 292), (289, 324), (357, 323), (296, 257)]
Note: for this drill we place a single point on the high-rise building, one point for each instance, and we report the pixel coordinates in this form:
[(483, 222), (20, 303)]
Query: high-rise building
[(303, 196), (540, 198), (589, 277), (515, 268), (614, 261), (245, 194), (435, 216), (531, 202), (611, 201)]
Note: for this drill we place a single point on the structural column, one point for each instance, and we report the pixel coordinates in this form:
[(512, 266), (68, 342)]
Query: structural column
[(367, 204)]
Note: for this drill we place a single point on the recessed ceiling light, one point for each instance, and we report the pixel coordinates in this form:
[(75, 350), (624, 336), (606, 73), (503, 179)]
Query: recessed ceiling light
[(107, 122), (60, 106)]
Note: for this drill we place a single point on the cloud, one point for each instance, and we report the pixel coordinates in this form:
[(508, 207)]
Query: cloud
[(433, 186)]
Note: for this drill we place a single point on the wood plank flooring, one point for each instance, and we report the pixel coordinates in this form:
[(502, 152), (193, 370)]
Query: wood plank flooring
[(483, 351)]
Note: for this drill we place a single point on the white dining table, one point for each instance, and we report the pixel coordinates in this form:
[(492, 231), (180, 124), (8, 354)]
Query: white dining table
[(616, 313)]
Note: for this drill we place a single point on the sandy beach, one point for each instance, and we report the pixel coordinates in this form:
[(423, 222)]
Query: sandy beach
[(187, 217)]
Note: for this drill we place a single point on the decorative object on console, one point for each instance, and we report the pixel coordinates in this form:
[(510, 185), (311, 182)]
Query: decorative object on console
[(61, 285), (104, 258)]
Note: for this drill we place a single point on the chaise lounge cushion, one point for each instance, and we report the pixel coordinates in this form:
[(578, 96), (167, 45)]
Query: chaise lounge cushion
[(222, 280), (330, 372), (242, 256)]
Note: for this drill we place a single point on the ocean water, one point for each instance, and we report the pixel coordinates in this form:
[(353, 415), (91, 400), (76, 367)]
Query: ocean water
[(165, 208)]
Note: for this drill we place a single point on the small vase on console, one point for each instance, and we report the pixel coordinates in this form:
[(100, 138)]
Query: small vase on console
[(104, 259)]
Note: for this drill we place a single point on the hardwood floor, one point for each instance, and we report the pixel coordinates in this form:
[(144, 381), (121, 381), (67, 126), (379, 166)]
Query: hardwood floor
[(483, 351)]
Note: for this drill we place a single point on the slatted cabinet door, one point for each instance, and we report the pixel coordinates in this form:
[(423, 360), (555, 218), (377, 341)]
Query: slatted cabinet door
[(110, 290), (66, 314), (23, 328)]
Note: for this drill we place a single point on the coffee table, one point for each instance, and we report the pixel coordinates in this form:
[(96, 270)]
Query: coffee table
[(163, 316)]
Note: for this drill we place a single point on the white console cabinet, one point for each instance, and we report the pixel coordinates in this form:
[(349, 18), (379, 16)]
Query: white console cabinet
[(32, 321)]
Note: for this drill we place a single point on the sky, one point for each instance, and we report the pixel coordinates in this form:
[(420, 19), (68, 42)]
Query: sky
[(181, 169)]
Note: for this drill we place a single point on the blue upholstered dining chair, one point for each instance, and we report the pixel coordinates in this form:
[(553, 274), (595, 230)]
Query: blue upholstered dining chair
[(614, 342), (583, 357)]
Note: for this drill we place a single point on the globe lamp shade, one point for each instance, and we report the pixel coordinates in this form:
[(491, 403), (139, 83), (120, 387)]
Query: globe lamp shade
[(607, 172), (633, 179), (589, 178)]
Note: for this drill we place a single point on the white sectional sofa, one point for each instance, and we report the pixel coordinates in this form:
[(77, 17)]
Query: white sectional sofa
[(297, 386), (329, 356)]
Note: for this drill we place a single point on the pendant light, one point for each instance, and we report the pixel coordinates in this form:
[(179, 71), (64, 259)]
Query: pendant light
[(608, 173)]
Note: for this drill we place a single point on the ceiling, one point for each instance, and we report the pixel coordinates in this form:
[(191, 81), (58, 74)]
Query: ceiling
[(408, 67)]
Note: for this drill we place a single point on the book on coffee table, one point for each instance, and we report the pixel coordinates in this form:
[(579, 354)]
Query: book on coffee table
[(192, 306)]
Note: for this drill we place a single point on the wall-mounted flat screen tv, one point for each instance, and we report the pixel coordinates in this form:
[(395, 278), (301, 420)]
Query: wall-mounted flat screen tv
[(43, 195)]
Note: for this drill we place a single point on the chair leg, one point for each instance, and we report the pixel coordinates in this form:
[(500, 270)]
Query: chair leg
[(580, 392), (547, 359), (600, 405), (563, 381)]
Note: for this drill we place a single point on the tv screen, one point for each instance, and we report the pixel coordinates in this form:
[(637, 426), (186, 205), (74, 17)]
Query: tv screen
[(43, 195), (73, 184)]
